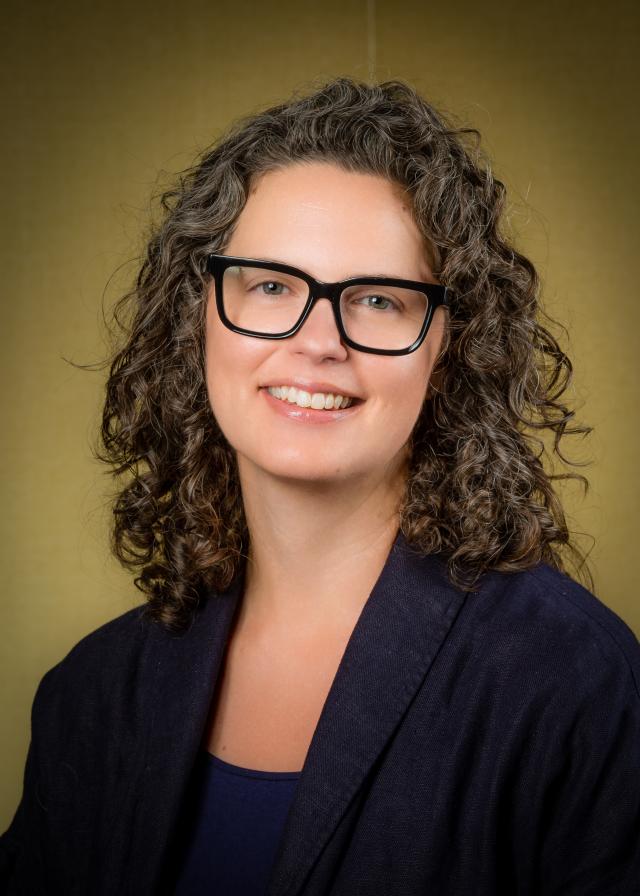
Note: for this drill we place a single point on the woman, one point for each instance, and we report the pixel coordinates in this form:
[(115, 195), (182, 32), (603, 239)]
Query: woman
[(360, 667)]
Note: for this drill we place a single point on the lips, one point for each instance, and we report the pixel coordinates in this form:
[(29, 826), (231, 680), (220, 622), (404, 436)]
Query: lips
[(312, 386), (285, 394), (297, 414)]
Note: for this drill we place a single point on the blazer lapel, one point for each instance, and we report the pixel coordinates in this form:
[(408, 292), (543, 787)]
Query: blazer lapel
[(394, 642), (180, 675)]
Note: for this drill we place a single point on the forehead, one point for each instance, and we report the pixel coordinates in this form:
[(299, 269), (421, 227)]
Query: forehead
[(319, 214)]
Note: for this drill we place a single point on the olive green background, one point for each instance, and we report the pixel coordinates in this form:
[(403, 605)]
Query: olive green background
[(102, 104)]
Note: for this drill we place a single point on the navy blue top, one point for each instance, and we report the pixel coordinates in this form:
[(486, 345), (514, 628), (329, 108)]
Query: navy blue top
[(235, 818)]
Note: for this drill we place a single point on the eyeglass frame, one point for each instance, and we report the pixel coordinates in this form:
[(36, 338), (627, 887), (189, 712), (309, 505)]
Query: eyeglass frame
[(436, 294)]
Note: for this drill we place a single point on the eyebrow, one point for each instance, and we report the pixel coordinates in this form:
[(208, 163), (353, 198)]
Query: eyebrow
[(385, 276)]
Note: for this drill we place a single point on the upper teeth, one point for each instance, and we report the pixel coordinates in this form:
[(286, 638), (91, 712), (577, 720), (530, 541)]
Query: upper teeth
[(317, 400)]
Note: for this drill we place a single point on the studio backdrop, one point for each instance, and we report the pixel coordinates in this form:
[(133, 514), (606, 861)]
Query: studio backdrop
[(104, 103)]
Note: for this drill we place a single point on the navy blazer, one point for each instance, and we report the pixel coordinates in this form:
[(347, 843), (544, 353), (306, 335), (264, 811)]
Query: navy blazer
[(471, 743)]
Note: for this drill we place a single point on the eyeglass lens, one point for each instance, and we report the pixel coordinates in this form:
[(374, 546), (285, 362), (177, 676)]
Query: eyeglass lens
[(270, 302)]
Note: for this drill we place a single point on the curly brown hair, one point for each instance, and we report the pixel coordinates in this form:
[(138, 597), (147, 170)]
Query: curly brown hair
[(477, 491)]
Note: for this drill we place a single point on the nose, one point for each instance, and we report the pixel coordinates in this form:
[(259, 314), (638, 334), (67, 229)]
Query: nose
[(319, 333)]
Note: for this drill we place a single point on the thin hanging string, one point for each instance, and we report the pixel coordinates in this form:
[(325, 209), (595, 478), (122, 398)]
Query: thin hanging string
[(371, 40)]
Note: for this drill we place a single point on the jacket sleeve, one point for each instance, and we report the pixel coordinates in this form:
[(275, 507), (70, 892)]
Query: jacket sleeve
[(590, 824), (14, 835), (21, 854)]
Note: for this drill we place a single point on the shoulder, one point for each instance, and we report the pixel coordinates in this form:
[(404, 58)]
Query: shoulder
[(116, 641), (543, 619), (581, 616), (557, 672), (102, 663)]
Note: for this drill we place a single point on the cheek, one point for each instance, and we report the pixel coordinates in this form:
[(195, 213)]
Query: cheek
[(409, 380), (215, 362), (232, 362), (407, 413), (396, 404), (222, 368), (411, 395), (223, 349)]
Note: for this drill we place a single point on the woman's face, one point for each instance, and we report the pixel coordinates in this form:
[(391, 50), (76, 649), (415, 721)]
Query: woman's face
[(333, 224)]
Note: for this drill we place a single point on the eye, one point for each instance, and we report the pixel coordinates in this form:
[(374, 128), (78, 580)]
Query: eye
[(272, 287), (383, 302)]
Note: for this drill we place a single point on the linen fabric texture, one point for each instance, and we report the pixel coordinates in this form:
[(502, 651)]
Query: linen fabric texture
[(485, 742)]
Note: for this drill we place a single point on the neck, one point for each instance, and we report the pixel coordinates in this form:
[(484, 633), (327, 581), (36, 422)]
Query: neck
[(316, 549)]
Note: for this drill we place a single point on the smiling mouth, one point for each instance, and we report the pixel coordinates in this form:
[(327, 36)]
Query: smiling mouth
[(311, 401)]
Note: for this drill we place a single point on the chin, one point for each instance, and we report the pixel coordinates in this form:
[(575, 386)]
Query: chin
[(304, 472), (293, 468)]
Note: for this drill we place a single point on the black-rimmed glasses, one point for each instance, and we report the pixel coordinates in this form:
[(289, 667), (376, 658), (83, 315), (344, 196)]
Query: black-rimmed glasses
[(270, 300)]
